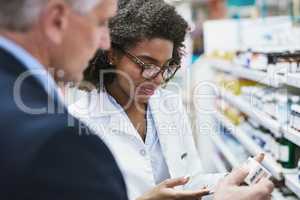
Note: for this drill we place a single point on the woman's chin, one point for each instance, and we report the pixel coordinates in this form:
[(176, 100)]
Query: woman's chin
[(143, 98)]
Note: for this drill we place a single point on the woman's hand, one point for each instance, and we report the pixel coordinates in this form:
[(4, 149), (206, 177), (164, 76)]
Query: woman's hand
[(230, 188), (166, 191)]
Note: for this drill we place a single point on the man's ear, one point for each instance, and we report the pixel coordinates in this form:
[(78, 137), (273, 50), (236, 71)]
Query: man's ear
[(55, 20)]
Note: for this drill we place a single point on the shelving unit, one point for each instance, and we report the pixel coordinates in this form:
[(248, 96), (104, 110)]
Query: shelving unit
[(276, 195), (220, 166), (230, 157), (251, 147), (291, 180), (276, 170), (250, 35), (266, 78), (262, 118), (292, 183), (254, 113), (293, 80), (291, 135)]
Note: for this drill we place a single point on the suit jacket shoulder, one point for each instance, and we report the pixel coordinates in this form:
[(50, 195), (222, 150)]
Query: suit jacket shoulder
[(41, 155)]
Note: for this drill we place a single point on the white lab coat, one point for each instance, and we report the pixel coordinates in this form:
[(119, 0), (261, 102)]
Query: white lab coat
[(174, 132)]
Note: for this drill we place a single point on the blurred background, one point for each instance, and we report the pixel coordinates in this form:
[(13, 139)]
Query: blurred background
[(240, 82)]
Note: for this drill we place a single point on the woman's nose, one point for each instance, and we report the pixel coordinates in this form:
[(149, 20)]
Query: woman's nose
[(158, 79)]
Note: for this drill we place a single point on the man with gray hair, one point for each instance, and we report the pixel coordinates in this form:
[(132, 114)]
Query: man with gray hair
[(42, 43)]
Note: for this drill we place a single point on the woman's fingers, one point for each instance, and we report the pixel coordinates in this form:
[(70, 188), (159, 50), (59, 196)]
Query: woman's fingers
[(170, 183), (260, 157), (266, 184), (237, 176), (185, 194), (181, 194)]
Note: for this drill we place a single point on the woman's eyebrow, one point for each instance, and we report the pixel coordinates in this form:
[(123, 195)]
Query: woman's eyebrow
[(151, 59)]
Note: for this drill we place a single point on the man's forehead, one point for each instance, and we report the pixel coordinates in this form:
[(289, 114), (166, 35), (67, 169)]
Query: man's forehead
[(104, 10)]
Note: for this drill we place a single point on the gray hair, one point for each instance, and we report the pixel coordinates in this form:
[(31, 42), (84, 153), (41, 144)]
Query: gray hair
[(19, 15)]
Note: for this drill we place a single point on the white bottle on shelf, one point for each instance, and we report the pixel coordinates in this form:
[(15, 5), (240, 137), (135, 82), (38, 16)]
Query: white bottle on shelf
[(282, 110)]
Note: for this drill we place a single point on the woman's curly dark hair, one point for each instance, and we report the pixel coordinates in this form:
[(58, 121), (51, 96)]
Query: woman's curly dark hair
[(136, 21)]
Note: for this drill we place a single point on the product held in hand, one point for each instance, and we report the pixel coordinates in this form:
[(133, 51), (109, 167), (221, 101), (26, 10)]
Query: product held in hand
[(256, 172)]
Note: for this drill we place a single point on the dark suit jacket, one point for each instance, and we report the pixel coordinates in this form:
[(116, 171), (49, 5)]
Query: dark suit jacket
[(41, 157)]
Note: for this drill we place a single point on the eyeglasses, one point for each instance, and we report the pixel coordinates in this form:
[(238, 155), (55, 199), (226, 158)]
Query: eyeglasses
[(151, 71)]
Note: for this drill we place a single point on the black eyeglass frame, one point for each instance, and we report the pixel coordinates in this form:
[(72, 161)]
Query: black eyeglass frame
[(145, 66)]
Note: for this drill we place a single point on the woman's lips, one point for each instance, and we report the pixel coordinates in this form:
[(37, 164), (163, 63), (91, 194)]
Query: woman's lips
[(146, 91)]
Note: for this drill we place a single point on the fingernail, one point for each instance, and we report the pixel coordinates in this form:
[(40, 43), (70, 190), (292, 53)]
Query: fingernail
[(187, 177)]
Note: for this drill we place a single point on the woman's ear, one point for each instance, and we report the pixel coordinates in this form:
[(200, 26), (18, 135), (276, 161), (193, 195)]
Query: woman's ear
[(112, 57)]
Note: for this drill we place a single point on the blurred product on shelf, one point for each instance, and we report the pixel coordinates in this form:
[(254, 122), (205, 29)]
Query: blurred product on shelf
[(279, 104), (283, 108), (258, 134), (276, 103), (232, 84), (295, 8), (224, 55), (251, 60), (295, 117), (285, 61), (279, 148), (234, 145), (256, 172), (282, 62), (287, 153), (233, 114), (229, 83)]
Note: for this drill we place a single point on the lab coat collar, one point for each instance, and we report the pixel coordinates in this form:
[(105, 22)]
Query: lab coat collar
[(119, 122), (101, 107), (161, 105)]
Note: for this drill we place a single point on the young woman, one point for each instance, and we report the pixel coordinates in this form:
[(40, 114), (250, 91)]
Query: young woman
[(144, 125)]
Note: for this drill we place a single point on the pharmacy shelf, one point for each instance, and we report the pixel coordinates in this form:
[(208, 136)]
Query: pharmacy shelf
[(224, 149), (251, 111), (262, 118), (275, 169), (292, 135), (293, 80), (219, 164), (270, 79), (292, 182), (277, 195)]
